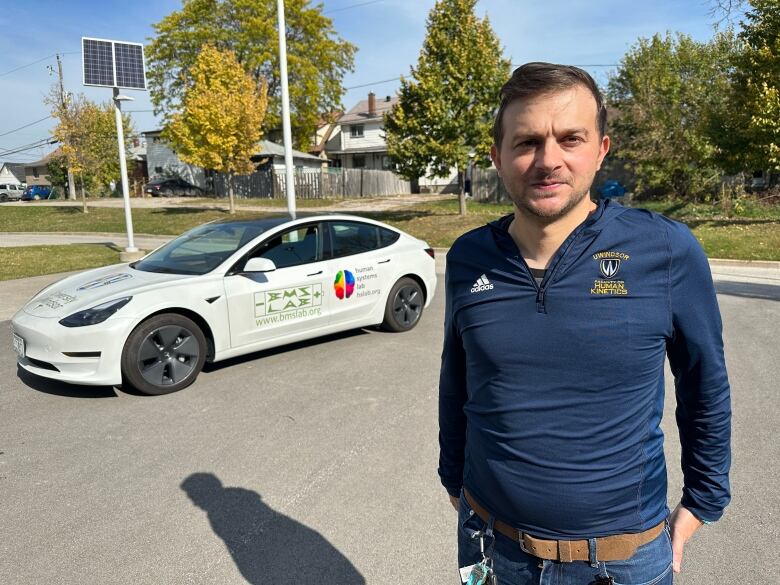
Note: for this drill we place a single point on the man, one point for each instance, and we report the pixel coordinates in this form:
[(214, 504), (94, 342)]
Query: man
[(558, 321)]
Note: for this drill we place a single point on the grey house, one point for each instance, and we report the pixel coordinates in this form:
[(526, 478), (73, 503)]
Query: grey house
[(162, 161)]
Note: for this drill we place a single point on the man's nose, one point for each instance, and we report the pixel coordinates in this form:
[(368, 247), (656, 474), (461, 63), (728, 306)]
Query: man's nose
[(548, 156)]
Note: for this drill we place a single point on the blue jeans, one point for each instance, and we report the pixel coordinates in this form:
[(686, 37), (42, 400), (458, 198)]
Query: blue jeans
[(651, 564)]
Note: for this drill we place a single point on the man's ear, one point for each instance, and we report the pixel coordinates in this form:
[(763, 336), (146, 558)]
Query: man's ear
[(603, 150), (495, 156)]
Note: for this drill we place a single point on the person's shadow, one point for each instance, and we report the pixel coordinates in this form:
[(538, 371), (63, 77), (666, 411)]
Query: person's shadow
[(267, 547)]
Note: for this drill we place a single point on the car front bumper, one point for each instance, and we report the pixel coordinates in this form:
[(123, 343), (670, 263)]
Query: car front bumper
[(49, 349)]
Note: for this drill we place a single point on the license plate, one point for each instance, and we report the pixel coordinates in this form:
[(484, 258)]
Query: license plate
[(18, 345)]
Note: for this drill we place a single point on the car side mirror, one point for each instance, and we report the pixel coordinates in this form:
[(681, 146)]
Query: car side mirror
[(259, 265)]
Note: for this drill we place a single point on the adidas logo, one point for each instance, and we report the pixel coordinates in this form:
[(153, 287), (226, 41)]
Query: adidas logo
[(482, 284)]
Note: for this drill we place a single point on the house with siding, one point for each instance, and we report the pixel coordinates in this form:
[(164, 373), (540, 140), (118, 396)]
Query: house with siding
[(12, 173), (358, 139), (162, 161)]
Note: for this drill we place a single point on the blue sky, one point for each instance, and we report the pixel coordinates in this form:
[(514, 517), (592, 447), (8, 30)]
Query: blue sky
[(388, 34)]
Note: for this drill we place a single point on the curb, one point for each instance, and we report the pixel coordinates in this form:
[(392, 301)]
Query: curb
[(713, 261)]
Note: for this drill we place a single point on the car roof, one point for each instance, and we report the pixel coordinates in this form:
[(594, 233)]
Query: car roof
[(276, 220)]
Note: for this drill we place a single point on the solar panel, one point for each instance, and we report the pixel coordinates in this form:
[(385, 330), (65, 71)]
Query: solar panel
[(113, 63)]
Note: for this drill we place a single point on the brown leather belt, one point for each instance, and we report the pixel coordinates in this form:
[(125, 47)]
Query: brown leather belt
[(608, 548)]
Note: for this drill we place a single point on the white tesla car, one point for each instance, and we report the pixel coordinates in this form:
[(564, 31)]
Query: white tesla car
[(223, 289)]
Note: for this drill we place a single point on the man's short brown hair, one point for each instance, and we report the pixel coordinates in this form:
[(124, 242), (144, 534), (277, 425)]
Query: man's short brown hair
[(534, 79)]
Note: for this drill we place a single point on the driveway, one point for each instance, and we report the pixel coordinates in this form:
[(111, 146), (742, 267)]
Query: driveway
[(316, 463)]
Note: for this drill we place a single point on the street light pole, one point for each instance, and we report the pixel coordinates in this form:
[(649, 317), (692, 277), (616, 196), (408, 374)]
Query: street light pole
[(288, 158), (120, 135)]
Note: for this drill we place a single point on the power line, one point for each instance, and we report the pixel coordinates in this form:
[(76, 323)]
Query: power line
[(352, 6), (25, 126), (30, 146), (372, 83), (38, 61)]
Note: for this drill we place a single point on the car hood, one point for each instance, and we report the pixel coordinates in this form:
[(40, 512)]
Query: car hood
[(93, 287)]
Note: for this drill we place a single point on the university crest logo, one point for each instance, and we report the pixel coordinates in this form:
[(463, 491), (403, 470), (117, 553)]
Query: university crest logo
[(609, 267)]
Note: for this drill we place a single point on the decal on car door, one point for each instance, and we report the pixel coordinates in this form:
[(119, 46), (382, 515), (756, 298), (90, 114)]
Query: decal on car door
[(298, 302)]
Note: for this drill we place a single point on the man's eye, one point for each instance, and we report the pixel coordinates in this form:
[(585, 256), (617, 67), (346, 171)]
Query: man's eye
[(572, 140), (525, 144)]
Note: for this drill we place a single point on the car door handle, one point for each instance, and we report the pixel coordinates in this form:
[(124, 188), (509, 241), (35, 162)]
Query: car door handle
[(314, 273), (384, 261)]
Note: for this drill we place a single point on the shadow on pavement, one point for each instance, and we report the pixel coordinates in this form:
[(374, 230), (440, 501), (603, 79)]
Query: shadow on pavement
[(56, 388), (282, 349), (267, 547), (749, 290)]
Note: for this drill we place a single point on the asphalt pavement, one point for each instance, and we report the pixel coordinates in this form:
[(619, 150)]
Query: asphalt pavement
[(315, 463)]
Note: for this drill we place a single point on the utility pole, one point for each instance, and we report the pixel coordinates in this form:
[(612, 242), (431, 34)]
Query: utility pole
[(71, 183), (286, 131)]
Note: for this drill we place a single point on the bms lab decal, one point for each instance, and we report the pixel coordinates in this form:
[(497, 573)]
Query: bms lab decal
[(609, 264), (275, 306)]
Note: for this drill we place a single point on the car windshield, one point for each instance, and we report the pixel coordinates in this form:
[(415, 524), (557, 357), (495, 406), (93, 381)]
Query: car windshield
[(200, 250)]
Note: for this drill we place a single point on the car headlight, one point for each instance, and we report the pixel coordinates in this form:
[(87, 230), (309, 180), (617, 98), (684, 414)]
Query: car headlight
[(96, 314)]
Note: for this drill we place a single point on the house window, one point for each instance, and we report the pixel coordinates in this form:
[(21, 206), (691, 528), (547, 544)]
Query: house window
[(35, 172), (386, 163), (158, 170), (356, 131), (358, 161)]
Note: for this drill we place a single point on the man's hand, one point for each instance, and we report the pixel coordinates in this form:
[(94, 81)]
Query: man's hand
[(455, 502), (682, 525)]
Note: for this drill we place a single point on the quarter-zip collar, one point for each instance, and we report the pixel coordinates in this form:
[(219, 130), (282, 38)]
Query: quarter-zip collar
[(582, 235)]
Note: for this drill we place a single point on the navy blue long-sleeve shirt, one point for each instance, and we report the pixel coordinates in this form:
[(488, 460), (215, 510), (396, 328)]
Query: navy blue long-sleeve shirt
[(551, 395)]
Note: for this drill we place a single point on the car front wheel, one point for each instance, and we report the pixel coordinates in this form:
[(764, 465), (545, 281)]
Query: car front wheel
[(163, 354), (404, 306)]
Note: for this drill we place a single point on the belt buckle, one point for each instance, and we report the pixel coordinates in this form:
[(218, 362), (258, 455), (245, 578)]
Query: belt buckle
[(521, 542)]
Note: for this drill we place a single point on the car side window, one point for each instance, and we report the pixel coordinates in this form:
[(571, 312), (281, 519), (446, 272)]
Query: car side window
[(292, 248), (352, 237)]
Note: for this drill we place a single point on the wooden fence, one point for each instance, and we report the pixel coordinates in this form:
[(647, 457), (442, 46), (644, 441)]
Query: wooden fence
[(487, 186), (321, 183)]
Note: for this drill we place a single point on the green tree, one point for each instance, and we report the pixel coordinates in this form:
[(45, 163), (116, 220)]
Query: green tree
[(670, 94), (88, 141), (445, 110), (755, 135), (317, 57), (223, 110)]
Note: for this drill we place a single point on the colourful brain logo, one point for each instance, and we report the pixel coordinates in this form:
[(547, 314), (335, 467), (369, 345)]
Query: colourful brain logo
[(344, 284)]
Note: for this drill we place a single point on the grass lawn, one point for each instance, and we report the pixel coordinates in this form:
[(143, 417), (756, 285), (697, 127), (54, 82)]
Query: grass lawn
[(36, 260), (162, 221), (753, 235)]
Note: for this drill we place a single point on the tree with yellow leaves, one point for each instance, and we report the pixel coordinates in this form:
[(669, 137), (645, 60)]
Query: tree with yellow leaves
[(219, 126), (86, 132)]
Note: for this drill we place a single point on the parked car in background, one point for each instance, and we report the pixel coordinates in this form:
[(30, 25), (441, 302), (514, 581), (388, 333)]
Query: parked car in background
[(10, 192), (37, 192), (173, 188)]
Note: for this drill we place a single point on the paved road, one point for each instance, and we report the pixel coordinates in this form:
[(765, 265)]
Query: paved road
[(315, 464)]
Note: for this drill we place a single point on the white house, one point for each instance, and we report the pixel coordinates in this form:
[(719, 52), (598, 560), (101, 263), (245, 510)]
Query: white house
[(358, 140), (12, 173)]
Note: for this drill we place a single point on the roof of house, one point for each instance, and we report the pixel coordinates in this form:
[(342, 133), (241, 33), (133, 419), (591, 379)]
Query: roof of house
[(16, 169), (44, 161), (267, 148), (360, 112)]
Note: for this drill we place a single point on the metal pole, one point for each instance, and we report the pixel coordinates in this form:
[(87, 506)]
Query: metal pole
[(120, 136), (288, 158)]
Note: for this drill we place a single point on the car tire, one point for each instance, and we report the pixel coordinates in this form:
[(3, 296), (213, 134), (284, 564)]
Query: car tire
[(3, 198), (167, 193), (404, 306), (163, 354)]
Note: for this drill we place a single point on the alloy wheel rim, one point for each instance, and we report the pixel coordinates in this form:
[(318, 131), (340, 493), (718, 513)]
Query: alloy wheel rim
[(407, 305), (168, 355)]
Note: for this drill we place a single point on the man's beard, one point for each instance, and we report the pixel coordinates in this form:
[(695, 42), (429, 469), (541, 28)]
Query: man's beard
[(548, 216)]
